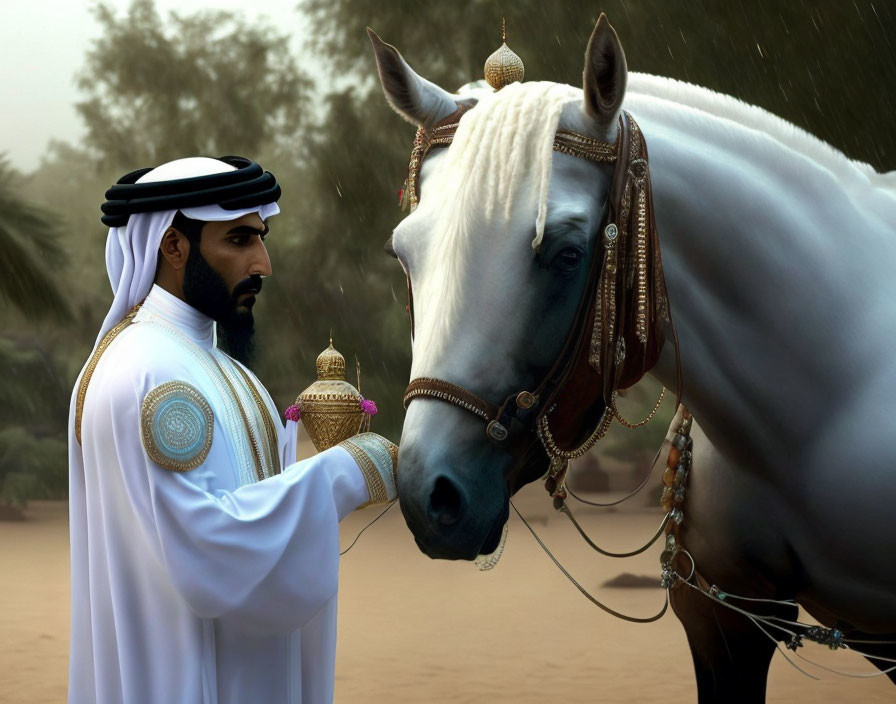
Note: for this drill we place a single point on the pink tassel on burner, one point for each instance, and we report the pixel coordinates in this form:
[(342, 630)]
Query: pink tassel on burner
[(368, 407)]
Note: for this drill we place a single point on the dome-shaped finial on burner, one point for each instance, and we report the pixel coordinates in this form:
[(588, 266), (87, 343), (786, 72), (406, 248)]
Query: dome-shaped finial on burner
[(331, 364), (503, 67)]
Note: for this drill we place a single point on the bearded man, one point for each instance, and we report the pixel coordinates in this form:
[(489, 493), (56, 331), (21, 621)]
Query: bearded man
[(204, 557)]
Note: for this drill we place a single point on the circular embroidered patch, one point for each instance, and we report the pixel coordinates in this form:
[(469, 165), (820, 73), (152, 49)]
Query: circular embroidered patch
[(177, 425)]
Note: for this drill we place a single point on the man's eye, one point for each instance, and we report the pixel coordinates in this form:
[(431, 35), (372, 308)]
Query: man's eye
[(240, 240)]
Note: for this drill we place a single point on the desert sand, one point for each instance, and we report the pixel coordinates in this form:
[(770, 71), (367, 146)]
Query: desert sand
[(416, 630)]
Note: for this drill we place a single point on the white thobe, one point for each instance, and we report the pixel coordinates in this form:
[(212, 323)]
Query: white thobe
[(205, 585)]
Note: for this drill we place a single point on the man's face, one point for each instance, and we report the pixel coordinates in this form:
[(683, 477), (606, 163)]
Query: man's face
[(223, 276)]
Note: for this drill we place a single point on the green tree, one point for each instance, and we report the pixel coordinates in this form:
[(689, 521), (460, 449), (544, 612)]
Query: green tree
[(67, 182), (34, 357), (34, 396), (207, 83), (331, 273), (156, 88), (29, 251), (820, 65), (32, 402)]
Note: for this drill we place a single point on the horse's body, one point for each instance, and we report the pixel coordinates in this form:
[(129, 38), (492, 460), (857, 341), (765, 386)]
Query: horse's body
[(778, 255)]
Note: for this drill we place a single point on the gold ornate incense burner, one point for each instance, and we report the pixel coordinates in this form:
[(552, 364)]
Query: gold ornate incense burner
[(331, 408)]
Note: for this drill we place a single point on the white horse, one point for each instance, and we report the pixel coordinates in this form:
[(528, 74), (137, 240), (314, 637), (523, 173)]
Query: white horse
[(780, 262)]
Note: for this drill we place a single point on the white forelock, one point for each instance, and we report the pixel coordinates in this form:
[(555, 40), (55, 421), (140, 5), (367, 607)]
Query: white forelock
[(497, 170), (510, 133)]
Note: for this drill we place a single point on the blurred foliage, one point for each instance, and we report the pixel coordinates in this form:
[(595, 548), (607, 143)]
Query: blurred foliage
[(31, 467), (207, 83), (160, 87), (66, 182), (33, 420), (825, 65), (33, 395), (336, 275), (29, 249)]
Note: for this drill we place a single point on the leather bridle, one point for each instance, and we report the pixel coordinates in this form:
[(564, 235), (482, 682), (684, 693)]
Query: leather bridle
[(618, 329)]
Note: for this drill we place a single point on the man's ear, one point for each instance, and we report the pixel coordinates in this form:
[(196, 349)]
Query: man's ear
[(175, 248)]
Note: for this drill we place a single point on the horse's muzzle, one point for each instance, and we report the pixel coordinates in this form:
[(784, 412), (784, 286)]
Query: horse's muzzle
[(453, 510)]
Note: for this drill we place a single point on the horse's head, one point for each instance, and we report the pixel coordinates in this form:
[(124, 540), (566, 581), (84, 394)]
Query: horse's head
[(498, 251)]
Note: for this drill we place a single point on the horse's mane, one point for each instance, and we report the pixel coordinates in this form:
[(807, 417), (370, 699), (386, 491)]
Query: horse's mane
[(737, 112)]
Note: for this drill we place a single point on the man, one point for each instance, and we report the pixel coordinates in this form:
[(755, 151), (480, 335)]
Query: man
[(204, 558)]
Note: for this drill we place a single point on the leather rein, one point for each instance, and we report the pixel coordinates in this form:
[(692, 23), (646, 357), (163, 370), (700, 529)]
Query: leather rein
[(618, 330)]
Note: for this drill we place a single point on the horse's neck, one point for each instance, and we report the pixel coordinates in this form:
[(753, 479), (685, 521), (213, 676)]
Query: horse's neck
[(776, 270)]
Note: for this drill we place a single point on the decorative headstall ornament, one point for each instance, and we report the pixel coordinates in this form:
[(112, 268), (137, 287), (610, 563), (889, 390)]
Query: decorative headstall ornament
[(619, 326), (503, 67)]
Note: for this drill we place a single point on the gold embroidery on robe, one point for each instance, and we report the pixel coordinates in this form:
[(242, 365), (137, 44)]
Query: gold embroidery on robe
[(177, 425), (91, 367)]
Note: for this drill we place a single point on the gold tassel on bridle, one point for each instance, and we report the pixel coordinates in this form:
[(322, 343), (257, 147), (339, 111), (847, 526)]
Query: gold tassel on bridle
[(630, 244)]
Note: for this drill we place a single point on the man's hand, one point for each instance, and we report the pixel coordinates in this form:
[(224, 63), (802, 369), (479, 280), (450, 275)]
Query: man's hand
[(378, 460)]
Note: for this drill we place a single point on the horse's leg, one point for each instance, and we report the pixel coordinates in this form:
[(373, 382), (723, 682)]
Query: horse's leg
[(731, 655), (730, 548)]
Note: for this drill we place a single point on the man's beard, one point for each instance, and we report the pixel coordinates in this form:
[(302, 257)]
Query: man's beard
[(206, 291)]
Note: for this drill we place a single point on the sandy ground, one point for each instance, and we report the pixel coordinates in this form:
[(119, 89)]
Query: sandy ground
[(415, 630)]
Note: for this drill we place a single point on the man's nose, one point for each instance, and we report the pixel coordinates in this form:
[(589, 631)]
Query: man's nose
[(261, 263)]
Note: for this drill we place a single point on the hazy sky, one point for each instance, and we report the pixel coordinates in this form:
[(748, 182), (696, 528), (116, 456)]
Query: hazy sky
[(42, 47)]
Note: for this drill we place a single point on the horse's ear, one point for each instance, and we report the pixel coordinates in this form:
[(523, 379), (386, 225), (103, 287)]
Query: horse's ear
[(413, 97), (605, 73)]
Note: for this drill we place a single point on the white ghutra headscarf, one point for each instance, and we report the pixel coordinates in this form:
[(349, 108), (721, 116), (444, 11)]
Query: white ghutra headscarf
[(132, 250)]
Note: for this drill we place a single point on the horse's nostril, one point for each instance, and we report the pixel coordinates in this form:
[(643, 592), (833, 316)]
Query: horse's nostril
[(445, 502)]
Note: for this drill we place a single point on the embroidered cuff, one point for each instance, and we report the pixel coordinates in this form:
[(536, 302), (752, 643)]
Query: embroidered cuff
[(377, 458)]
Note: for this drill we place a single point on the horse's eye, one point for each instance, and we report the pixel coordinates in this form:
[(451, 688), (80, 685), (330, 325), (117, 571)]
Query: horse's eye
[(569, 259)]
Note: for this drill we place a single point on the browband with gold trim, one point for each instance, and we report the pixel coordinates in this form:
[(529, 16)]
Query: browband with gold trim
[(442, 134)]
